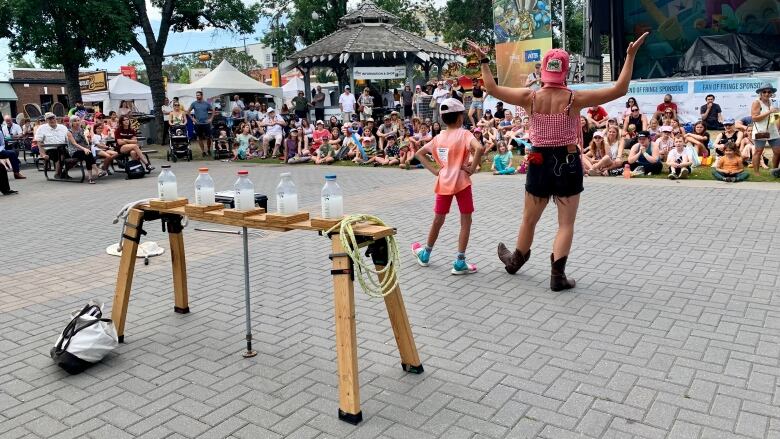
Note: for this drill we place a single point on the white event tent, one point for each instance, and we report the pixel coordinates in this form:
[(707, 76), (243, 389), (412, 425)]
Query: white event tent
[(121, 88), (226, 79)]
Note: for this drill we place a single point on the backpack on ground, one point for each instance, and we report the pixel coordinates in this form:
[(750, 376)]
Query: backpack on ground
[(86, 339), (135, 169)]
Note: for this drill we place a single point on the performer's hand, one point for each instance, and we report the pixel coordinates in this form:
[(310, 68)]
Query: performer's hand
[(634, 46), (475, 49)]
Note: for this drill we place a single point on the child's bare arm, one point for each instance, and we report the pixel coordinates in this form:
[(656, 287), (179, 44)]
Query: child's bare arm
[(477, 147), (423, 158)]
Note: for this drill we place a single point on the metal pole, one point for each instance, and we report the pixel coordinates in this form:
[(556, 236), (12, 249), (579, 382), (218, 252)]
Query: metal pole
[(563, 24), (249, 352)]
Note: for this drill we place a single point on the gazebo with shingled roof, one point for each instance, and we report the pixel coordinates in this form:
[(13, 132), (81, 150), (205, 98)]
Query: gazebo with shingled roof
[(369, 37)]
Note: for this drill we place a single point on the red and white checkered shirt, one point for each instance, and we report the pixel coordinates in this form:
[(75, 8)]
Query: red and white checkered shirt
[(555, 129)]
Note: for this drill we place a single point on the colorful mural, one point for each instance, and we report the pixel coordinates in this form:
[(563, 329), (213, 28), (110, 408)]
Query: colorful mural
[(523, 32)]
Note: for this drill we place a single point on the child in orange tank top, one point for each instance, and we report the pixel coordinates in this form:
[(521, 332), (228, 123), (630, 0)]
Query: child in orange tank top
[(450, 151)]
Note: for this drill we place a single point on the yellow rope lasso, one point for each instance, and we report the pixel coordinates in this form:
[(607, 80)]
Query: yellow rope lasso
[(366, 275)]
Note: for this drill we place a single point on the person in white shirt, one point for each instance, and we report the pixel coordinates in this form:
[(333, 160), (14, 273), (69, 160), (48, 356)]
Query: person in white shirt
[(534, 79), (439, 95), (678, 160), (274, 129), (347, 105), (11, 133), (237, 103), (52, 133), (166, 109)]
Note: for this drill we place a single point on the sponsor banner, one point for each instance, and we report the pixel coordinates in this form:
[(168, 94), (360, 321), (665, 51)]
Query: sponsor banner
[(523, 32), (198, 73), (735, 96), (512, 60), (392, 72), (91, 82)]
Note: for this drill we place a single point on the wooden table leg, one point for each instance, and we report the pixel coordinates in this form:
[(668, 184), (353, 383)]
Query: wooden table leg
[(346, 336), (124, 278), (178, 265), (410, 360)]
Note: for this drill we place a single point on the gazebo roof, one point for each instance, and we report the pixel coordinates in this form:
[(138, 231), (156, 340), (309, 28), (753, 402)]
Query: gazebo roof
[(368, 33)]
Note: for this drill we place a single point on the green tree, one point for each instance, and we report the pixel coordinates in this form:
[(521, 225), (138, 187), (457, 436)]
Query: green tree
[(575, 16), (19, 61), (140, 71), (178, 16), (468, 19), (64, 33)]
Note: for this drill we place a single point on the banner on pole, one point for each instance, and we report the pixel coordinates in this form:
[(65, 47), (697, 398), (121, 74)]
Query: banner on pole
[(91, 82), (523, 30), (392, 72)]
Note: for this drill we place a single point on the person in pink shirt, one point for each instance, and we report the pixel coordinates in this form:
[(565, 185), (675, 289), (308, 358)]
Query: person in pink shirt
[(450, 150)]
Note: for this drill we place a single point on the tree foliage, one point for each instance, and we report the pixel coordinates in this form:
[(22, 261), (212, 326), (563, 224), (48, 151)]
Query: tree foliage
[(575, 16), (64, 33), (178, 16), (468, 19)]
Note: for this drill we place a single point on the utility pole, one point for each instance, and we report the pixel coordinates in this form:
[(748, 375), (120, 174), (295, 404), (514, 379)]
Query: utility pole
[(563, 24), (245, 49)]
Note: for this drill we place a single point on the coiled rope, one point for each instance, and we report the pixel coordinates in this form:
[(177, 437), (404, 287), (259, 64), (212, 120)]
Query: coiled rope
[(367, 276)]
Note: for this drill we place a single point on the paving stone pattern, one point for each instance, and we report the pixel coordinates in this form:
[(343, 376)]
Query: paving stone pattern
[(672, 331)]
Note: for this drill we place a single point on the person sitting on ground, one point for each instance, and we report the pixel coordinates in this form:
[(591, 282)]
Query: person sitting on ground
[(711, 114), (335, 140), (368, 155), (730, 168), (319, 136), (630, 103), (597, 116), (11, 133), (99, 147), (643, 158), (654, 128), (385, 130), (678, 160), (518, 137), (305, 133), (436, 128), (748, 147), (637, 119), (421, 137), (242, 150), (295, 152), (587, 132), (79, 149), (502, 161), (325, 154), (127, 142), (729, 134), (615, 148), (274, 130), (665, 106), (598, 155), (392, 153), (664, 142), (700, 139), (505, 124)]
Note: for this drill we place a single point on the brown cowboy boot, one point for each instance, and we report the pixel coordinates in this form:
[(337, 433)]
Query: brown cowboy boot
[(512, 260), (558, 280)]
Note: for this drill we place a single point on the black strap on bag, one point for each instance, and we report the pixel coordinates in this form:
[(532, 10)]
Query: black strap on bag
[(71, 363)]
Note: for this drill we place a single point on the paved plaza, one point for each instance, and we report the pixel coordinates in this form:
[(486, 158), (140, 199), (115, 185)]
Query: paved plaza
[(673, 329)]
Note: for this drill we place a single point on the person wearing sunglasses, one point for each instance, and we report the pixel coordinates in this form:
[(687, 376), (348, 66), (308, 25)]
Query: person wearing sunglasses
[(636, 118), (764, 112)]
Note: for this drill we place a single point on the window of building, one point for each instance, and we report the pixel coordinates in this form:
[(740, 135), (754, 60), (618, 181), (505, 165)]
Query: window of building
[(46, 102)]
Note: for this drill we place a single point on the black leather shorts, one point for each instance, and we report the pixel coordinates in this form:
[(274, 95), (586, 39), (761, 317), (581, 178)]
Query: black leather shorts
[(559, 175)]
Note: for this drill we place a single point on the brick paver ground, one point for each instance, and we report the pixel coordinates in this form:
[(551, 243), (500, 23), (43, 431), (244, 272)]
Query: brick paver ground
[(673, 329)]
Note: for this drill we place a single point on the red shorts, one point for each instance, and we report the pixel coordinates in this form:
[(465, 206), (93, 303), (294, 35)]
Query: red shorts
[(465, 202)]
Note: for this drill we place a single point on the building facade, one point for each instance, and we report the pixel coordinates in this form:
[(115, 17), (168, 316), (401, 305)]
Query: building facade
[(43, 87)]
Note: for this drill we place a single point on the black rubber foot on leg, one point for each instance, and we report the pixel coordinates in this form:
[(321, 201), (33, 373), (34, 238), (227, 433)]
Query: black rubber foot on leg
[(181, 310), (350, 418), (413, 369), (121, 338)]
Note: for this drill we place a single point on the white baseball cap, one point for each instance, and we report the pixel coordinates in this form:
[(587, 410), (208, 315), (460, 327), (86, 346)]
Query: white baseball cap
[(451, 105)]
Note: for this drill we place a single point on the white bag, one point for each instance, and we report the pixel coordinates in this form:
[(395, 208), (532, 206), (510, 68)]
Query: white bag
[(86, 340)]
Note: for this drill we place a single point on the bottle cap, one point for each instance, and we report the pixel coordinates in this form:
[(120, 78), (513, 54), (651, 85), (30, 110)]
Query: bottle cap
[(330, 177), (203, 169), (243, 172), (166, 166)]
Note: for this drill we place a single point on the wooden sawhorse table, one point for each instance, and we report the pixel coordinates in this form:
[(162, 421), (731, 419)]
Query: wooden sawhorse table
[(171, 215)]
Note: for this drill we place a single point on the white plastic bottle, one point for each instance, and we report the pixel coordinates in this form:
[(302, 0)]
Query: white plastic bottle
[(166, 185), (244, 192), (286, 195), (332, 198), (204, 188)]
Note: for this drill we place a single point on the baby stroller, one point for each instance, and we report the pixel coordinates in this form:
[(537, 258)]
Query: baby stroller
[(223, 146), (178, 144)]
